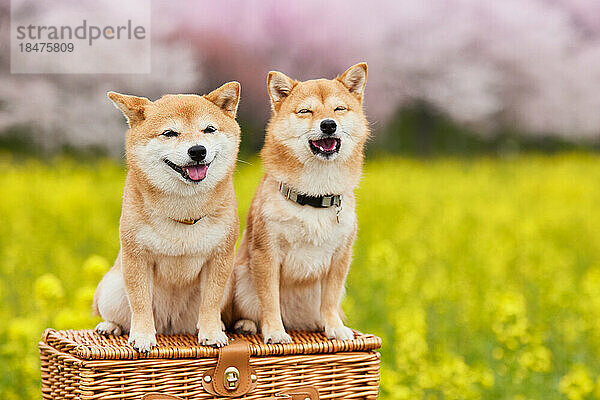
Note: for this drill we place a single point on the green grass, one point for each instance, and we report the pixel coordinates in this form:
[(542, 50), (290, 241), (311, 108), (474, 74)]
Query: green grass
[(482, 275)]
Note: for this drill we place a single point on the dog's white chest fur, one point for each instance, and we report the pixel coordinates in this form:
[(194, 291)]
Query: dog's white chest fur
[(178, 271), (171, 238), (307, 237)]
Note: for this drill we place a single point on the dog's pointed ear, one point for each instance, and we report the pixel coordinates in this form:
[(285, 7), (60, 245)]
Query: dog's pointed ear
[(226, 97), (279, 86), (355, 79), (133, 107)]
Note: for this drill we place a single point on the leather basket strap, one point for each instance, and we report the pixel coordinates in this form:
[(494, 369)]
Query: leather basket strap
[(233, 376), (301, 393)]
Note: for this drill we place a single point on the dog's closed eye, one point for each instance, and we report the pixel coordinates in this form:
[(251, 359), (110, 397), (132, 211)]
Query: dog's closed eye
[(209, 129), (170, 133)]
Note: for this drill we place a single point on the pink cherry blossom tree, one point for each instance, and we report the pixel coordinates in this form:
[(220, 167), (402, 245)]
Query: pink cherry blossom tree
[(531, 65)]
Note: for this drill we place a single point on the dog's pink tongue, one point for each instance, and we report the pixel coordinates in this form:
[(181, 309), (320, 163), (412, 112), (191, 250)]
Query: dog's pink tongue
[(197, 172), (325, 144)]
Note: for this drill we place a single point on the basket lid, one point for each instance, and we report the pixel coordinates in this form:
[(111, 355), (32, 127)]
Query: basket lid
[(89, 345)]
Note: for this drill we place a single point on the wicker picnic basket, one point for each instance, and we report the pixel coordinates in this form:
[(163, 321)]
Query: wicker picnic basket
[(85, 365)]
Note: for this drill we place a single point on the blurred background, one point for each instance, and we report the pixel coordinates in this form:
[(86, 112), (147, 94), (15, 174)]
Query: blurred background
[(477, 259)]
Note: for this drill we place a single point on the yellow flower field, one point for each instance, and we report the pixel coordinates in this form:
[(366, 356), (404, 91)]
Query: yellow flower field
[(481, 275)]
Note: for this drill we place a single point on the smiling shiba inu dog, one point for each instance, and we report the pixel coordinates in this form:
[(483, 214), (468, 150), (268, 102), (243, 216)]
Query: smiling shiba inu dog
[(179, 221), (295, 252)]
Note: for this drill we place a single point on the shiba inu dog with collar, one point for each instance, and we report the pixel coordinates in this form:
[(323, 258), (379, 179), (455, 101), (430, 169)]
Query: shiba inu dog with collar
[(179, 221), (296, 249)]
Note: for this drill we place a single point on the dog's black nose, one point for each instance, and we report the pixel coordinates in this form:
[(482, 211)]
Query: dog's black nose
[(328, 126), (197, 153)]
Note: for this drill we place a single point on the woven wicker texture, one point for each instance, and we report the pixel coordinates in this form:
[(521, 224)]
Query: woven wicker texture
[(84, 365), (88, 345)]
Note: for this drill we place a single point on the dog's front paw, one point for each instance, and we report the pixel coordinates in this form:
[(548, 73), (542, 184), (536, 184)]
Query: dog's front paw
[(108, 328), (142, 342), (217, 338), (276, 337), (339, 333)]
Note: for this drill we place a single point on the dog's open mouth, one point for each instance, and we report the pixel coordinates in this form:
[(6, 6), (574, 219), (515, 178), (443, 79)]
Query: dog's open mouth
[(192, 173), (325, 147)]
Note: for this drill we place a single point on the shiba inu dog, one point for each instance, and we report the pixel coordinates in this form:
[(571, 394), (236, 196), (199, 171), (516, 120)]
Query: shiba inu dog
[(179, 221), (296, 249)]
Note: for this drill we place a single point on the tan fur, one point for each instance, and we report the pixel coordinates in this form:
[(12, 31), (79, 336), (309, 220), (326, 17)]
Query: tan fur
[(170, 277), (293, 260)]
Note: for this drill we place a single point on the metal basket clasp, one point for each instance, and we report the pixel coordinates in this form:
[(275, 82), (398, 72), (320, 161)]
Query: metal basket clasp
[(232, 378)]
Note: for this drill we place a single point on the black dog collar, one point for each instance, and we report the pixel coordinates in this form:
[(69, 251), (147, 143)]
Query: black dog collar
[(334, 200)]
